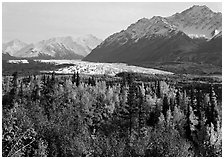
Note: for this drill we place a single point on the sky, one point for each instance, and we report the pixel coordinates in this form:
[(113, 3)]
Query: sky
[(33, 22)]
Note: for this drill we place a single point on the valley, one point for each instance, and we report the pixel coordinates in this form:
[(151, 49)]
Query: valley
[(151, 90), (83, 67)]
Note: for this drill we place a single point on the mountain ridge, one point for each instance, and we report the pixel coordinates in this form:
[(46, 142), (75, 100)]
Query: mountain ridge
[(57, 47), (160, 39)]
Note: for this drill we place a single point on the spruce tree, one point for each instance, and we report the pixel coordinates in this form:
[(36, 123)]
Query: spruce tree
[(178, 98), (213, 111), (198, 110), (13, 94), (188, 124), (93, 81), (21, 92), (43, 79), (77, 80), (53, 78), (89, 81), (74, 78), (165, 105), (192, 98), (141, 109), (158, 90), (129, 112)]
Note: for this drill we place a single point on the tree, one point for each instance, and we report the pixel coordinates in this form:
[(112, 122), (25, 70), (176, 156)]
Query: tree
[(93, 81), (15, 83), (192, 98), (178, 97), (12, 97), (129, 113), (89, 81), (132, 106), (213, 104), (141, 109), (165, 106), (77, 80), (74, 78), (158, 92), (188, 124), (21, 92)]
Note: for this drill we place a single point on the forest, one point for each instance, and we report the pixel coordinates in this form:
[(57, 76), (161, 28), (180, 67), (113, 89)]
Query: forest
[(124, 116)]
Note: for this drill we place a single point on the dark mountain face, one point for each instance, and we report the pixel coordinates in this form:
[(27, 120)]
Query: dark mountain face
[(6, 56), (164, 39), (209, 52), (146, 50)]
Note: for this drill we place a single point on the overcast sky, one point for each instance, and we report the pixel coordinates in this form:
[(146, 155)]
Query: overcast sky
[(32, 22)]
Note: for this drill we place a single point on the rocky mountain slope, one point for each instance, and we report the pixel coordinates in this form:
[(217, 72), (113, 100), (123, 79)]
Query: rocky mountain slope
[(181, 37), (198, 20)]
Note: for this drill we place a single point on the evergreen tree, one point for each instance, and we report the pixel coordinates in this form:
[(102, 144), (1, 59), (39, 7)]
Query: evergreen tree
[(213, 104), (184, 104), (178, 98), (21, 92), (130, 111), (36, 91), (89, 81), (130, 79), (165, 106), (141, 109), (53, 79), (192, 98), (15, 83), (43, 79), (74, 78), (47, 94), (77, 80), (158, 92), (198, 110), (188, 124), (93, 81), (13, 94)]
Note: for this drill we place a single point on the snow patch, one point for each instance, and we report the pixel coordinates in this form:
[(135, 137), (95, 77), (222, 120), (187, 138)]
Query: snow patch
[(195, 36), (18, 61)]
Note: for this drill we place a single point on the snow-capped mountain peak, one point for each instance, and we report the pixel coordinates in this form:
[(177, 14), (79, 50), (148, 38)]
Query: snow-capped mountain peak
[(60, 47), (88, 42), (144, 27), (13, 46), (162, 39), (197, 20)]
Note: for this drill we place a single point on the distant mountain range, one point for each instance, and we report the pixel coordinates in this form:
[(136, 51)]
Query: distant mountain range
[(194, 35), (13, 46), (56, 48)]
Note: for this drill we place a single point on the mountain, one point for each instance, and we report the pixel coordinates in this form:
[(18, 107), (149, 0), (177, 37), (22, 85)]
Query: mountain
[(145, 40), (198, 20), (88, 42), (12, 47), (59, 48), (164, 39)]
